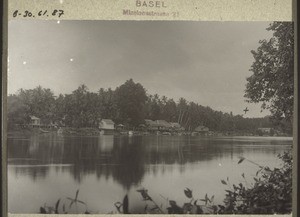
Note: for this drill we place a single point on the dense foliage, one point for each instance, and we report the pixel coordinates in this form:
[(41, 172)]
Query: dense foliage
[(38, 101), (128, 104), (130, 99), (272, 81), (271, 192)]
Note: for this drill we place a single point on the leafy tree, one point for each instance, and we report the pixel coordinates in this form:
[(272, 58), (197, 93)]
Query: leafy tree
[(182, 109), (78, 108), (169, 111), (130, 99), (107, 103), (38, 102), (272, 81), (17, 111), (59, 108), (156, 108)]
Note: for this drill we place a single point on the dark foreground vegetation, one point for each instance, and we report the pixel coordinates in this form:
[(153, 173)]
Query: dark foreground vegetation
[(270, 192)]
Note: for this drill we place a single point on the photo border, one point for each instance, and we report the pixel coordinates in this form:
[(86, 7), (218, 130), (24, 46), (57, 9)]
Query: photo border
[(230, 10)]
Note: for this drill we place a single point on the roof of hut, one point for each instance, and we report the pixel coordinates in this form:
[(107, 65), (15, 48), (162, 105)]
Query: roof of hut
[(201, 128), (108, 121)]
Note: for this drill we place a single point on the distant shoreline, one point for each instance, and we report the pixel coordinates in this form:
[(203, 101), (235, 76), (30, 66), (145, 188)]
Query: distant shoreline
[(96, 132)]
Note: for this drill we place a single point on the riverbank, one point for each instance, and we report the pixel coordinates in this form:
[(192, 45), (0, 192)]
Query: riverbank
[(95, 131)]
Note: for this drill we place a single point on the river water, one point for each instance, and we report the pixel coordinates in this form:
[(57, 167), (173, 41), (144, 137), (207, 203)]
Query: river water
[(43, 168)]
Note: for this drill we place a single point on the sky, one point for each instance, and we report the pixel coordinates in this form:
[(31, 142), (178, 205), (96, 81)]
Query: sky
[(204, 62)]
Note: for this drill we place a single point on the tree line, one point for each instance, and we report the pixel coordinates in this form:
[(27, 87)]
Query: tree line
[(128, 104)]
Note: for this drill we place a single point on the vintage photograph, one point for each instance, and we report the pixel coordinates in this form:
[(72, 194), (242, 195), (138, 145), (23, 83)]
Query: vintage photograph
[(150, 117)]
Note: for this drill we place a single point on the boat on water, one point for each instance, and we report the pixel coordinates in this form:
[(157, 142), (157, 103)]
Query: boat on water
[(166, 133), (44, 131)]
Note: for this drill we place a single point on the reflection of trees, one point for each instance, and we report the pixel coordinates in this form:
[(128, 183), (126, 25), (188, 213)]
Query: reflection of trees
[(182, 150), (34, 172), (125, 159), (130, 160)]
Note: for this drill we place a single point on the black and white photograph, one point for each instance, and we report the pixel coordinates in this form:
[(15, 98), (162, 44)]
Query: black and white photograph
[(150, 117)]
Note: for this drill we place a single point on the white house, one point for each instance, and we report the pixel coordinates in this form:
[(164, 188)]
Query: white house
[(106, 125), (176, 126), (264, 129), (201, 130), (35, 121)]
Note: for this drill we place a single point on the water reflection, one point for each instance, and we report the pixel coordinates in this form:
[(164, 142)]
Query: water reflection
[(125, 159)]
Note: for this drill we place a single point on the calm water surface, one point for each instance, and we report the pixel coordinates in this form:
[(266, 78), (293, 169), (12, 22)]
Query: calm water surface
[(45, 167)]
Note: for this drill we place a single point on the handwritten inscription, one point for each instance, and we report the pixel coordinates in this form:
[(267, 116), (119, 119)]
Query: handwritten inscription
[(151, 4), (41, 13)]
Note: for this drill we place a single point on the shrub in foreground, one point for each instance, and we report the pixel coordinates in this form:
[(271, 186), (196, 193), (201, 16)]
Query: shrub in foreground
[(270, 193)]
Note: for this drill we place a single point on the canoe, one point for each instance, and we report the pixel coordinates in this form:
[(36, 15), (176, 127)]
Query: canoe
[(44, 131)]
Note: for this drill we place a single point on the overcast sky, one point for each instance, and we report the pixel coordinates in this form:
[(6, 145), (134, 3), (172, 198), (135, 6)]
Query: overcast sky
[(204, 62)]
